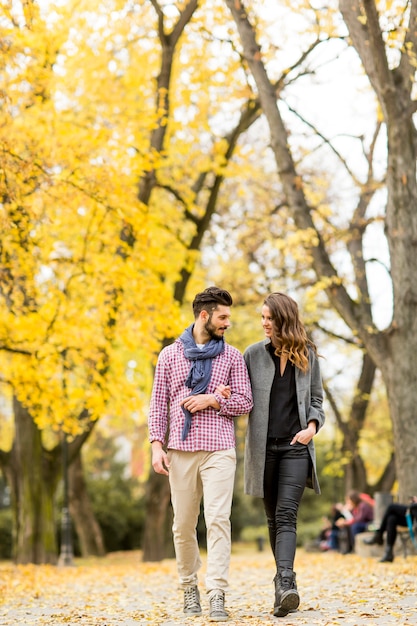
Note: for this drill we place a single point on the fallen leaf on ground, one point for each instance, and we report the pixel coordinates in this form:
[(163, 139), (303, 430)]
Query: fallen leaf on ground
[(122, 590)]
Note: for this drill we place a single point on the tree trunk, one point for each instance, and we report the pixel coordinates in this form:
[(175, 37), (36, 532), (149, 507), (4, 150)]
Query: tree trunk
[(387, 480), (396, 349), (398, 369), (157, 542), (393, 351), (399, 376), (32, 474), (86, 526), (356, 477), (351, 429), (199, 222)]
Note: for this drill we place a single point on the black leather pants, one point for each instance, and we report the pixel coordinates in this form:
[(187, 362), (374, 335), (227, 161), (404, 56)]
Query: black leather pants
[(394, 516), (286, 472)]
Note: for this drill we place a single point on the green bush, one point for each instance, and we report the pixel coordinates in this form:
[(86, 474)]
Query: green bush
[(119, 512), (116, 499)]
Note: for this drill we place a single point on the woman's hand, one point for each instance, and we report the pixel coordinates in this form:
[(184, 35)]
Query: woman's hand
[(306, 435), (224, 391)]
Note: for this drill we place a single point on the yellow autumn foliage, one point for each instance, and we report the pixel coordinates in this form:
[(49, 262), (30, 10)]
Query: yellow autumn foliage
[(87, 269), (76, 301)]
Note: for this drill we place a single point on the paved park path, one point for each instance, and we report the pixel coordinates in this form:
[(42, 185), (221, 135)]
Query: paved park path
[(121, 590)]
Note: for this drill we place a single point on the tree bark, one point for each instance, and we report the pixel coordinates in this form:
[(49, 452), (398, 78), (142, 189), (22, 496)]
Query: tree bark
[(387, 480), (32, 474), (86, 526), (157, 541)]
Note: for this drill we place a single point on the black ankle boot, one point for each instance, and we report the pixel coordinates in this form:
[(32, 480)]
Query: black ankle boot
[(388, 555), (375, 540), (294, 586), (286, 594)]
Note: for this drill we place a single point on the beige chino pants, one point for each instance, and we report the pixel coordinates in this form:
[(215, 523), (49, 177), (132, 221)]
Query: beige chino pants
[(193, 476)]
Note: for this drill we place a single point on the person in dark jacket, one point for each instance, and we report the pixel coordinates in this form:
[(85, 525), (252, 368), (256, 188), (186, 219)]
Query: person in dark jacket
[(394, 516), (279, 451)]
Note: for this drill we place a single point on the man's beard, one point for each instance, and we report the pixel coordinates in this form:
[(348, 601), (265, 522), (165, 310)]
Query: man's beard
[(211, 331)]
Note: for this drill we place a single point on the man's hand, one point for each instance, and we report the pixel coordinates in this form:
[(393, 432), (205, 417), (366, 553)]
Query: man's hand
[(199, 402), (160, 461), (204, 400)]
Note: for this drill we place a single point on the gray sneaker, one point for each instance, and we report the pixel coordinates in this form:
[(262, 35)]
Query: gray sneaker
[(217, 611), (192, 604)]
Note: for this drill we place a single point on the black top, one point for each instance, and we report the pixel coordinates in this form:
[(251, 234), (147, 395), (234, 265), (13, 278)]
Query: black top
[(284, 421)]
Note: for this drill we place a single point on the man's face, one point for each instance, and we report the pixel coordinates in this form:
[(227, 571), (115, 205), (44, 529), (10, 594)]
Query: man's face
[(218, 321)]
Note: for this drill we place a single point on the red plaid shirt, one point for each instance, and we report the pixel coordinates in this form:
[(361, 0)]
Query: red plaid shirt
[(211, 429)]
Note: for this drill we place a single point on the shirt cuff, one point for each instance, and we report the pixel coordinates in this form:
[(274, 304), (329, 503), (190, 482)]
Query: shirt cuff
[(220, 400)]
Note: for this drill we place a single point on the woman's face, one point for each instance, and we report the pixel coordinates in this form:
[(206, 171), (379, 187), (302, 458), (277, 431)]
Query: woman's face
[(267, 321)]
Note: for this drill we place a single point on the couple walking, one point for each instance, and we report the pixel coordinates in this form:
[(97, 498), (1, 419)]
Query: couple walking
[(201, 384)]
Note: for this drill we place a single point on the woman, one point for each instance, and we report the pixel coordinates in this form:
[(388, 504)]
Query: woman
[(287, 413), (360, 508)]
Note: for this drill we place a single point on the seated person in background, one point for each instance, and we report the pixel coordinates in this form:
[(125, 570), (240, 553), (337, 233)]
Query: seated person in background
[(329, 536), (323, 538), (361, 514), (394, 516)]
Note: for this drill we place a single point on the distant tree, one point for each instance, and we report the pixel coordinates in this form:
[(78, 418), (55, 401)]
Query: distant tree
[(391, 76), (70, 309)]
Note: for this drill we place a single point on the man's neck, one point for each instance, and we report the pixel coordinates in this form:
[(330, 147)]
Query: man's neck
[(200, 334)]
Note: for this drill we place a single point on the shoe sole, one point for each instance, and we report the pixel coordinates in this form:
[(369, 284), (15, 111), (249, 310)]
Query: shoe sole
[(191, 613), (196, 611), (218, 619), (290, 601)]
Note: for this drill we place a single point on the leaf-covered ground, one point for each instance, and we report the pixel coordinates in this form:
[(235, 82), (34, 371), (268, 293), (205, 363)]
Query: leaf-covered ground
[(122, 590)]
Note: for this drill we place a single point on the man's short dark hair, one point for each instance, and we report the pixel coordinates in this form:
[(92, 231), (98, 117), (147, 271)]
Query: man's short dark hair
[(209, 299)]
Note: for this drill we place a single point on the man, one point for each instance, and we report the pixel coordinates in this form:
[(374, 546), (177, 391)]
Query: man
[(201, 383)]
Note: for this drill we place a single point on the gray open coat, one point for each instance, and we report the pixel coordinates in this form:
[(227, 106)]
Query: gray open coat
[(309, 399)]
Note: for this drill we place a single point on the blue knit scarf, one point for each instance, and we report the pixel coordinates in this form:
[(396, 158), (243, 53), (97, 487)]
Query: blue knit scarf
[(200, 371)]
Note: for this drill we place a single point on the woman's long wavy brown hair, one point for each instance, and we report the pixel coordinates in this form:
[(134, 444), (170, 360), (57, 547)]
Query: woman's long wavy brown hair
[(289, 336)]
